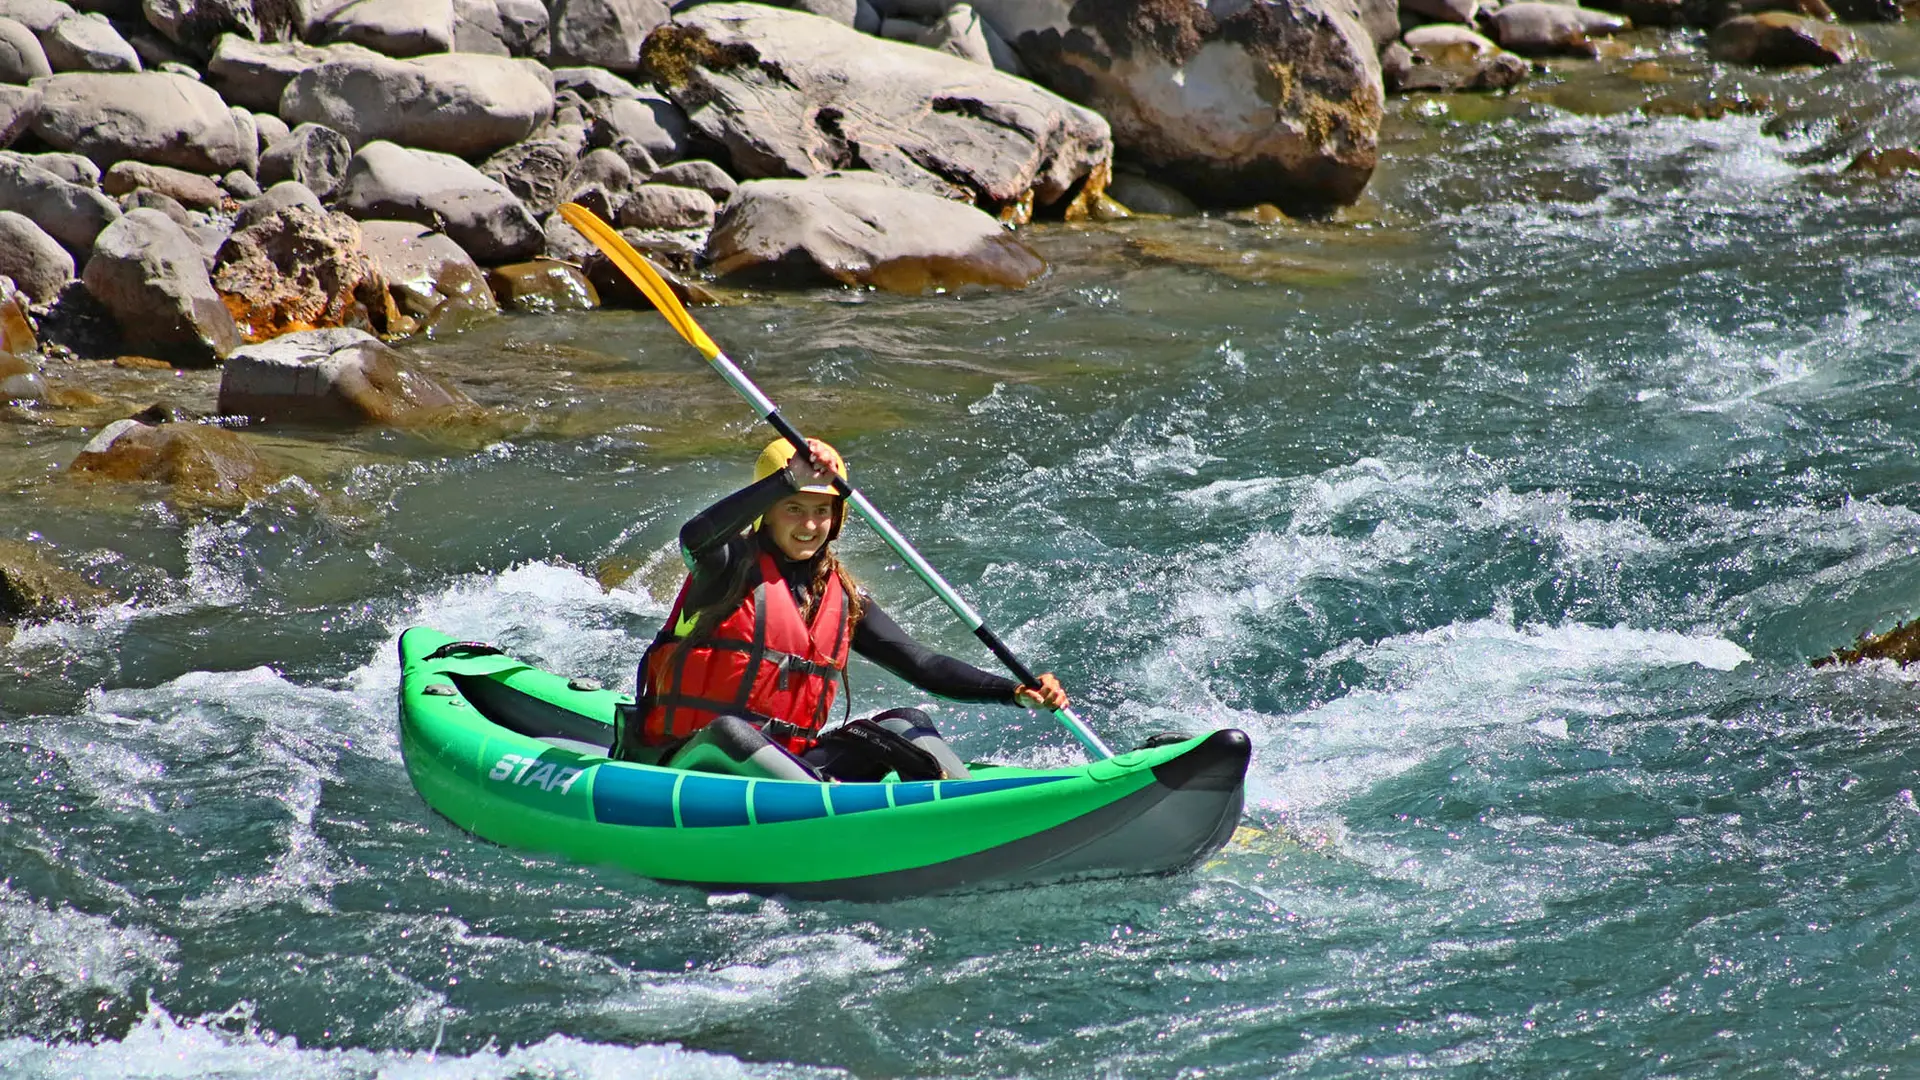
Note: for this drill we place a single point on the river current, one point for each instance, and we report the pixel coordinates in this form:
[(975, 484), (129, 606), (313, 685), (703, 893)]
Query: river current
[(1505, 513)]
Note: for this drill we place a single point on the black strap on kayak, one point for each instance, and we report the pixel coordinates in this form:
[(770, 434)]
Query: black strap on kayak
[(464, 649)]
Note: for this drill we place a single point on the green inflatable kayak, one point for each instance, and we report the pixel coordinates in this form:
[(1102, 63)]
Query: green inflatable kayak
[(517, 755)]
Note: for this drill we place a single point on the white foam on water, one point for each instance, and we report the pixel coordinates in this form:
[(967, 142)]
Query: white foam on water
[(1579, 541), (1151, 457), (549, 614), (227, 1045), (760, 975), (217, 558), (239, 736), (1432, 688), (76, 951)]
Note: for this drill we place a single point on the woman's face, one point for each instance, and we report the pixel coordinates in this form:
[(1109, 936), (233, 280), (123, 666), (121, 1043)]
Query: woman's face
[(799, 524)]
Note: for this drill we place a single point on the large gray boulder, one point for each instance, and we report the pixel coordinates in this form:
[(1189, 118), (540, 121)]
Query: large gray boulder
[(151, 275), (443, 192), (603, 33), (643, 119), (796, 95), (662, 206), (34, 260), (477, 28), (960, 32), (395, 28), (454, 103), (255, 74), (38, 16), (88, 43), (540, 171), (69, 212), (338, 376), (22, 57), (151, 116), (861, 230), (524, 28), (1275, 101), (18, 107), (72, 168), (312, 154), (197, 25)]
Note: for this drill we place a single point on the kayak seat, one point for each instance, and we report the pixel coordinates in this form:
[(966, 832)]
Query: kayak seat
[(532, 717), (734, 747)]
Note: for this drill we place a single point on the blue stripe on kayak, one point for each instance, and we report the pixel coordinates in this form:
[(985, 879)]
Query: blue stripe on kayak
[(909, 794), (855, 798), (712, 801), (625, 796), (954, 789), (785, 800)]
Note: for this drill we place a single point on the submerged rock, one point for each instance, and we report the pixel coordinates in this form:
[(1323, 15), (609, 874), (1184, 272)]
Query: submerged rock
[(796, 95), (865, 232), (35, 587), (1269, 101), (1893, 161), (543, 286), (1900, 645), (197, 460)]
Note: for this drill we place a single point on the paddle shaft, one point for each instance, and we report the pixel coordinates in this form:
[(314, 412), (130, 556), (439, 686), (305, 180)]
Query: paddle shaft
[(738, 380), (649, 281)]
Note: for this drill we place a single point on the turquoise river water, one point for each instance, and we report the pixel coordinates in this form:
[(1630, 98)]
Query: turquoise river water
[(1505, 514)]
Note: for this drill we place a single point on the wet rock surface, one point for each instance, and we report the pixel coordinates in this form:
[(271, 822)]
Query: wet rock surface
[(34, 586)]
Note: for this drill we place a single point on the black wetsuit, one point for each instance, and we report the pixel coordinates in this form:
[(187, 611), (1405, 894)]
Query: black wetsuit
[(714, 544)]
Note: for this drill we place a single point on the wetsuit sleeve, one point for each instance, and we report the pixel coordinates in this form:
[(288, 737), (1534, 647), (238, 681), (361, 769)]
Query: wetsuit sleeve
[(706, 540), (878, 638)]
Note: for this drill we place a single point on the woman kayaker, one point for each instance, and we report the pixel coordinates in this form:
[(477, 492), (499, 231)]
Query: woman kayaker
[(743, 675)]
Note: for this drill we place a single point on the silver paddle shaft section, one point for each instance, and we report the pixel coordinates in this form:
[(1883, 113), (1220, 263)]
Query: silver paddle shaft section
[(899, 543)]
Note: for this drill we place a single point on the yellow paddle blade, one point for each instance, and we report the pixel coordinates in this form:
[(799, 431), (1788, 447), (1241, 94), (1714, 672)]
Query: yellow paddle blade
[(641, 273)]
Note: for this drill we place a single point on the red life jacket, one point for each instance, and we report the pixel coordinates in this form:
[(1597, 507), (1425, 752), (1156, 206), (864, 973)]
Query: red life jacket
[(762, 663)]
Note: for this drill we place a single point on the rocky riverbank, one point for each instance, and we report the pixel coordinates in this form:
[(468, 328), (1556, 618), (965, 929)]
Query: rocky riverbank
[(261, 201)]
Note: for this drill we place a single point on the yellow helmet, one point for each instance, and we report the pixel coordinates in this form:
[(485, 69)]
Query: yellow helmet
[(776, 456)]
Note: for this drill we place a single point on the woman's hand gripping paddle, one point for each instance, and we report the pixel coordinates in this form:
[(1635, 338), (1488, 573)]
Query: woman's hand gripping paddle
[(636, 267)]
